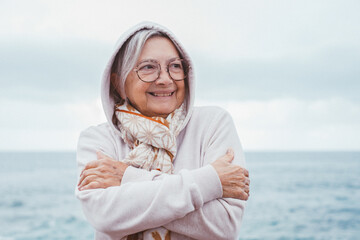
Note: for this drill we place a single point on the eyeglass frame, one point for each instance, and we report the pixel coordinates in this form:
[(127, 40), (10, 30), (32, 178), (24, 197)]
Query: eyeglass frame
[(186, 69)]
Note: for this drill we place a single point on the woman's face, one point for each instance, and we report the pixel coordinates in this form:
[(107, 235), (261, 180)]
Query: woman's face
[(163, 96)]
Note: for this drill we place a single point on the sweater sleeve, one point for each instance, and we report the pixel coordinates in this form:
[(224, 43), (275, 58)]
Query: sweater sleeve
[(220, 218), (135, 206)]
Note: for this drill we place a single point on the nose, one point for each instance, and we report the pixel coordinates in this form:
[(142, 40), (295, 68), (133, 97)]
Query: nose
[(164, 77)]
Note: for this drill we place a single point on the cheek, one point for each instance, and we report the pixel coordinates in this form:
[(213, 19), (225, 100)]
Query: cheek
[(181, 92), (135, 91)]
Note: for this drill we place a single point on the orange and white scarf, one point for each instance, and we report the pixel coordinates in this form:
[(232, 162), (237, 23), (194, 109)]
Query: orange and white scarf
[(152, 141)]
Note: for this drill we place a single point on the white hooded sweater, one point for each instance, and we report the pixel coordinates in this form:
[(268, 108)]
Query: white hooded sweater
[(189, 202)]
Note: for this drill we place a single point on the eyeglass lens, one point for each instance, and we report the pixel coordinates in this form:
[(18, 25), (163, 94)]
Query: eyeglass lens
[(149, 71)]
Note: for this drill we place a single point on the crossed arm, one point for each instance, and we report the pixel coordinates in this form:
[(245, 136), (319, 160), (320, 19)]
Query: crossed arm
[(189, 218), (183, 203), (106, 172)]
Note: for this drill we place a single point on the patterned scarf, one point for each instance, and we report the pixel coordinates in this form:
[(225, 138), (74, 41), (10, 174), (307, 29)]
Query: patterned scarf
[(152, 141)]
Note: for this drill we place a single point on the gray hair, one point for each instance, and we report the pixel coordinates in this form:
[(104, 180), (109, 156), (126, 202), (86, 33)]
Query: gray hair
[(127, 57)]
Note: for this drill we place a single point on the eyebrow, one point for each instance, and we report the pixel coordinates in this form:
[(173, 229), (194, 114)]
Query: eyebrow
[(154, 60)]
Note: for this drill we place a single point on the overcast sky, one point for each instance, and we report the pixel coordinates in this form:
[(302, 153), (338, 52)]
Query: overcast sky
[(287, 71)]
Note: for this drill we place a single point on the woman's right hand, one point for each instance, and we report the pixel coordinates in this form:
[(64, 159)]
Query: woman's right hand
[(234, 179), (102, 173)]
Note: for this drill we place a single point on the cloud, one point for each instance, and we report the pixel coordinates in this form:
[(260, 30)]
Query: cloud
[(291, 124), (287, 71), (51, 52), (71, 71), (40, 126), (278, 124), (326, 73), (52, 71)]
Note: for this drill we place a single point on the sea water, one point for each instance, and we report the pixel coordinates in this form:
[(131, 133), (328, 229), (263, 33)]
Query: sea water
[(294, 195)]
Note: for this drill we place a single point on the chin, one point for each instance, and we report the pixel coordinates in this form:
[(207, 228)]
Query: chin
[(163, 112)]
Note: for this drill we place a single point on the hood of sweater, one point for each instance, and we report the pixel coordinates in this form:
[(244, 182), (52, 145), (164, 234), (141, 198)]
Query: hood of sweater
[(109, 103)]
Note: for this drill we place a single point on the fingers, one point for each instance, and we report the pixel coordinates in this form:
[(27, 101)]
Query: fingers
[(88, 179), (100, 174), (237, 193), (85, 173), (101, 159), (237, 183), (101, 179), (90, 185), (94, 181), (101, 168), (89, 165), (92, 168), (247, 181), (246, 172), (246, 188), (244, 195)]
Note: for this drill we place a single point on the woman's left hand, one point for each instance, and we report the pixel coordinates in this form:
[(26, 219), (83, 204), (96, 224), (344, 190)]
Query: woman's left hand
[(102, 173)]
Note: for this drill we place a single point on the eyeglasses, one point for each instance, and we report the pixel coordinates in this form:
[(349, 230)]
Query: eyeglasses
[(149, 70)]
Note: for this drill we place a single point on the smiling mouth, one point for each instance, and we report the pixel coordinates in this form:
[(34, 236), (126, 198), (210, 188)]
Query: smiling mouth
[(162, 94)]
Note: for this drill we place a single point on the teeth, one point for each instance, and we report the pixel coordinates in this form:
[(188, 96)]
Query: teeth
[(162, 94)]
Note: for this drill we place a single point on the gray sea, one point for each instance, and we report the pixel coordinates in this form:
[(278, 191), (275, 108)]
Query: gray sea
[(294, 195)]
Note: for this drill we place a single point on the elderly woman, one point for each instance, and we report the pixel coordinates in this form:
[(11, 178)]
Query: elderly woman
[(159, 168)]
